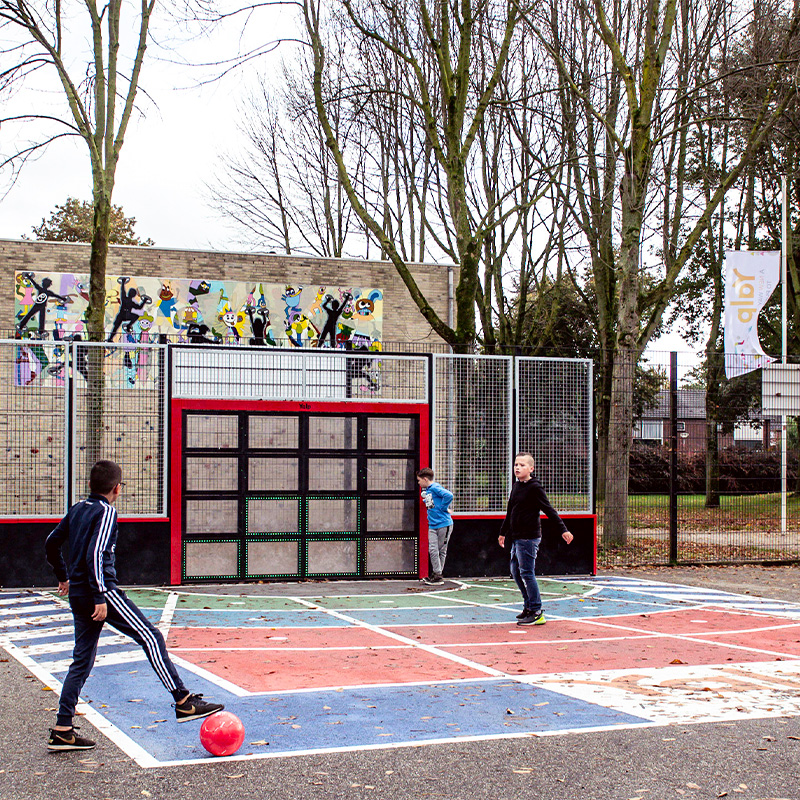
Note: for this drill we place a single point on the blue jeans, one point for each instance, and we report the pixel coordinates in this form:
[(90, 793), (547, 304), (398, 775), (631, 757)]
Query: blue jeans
[(523, 562)]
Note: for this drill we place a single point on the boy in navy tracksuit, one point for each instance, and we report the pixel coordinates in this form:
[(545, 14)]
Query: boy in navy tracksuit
[(91, 581), (521, 533), (440, 524)]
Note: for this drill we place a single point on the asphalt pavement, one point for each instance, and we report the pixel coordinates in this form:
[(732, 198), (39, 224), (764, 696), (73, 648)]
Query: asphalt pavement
[(748, 759)]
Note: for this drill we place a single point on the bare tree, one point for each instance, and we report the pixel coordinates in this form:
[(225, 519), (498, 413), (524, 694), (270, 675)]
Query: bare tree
[(632, 69), (283, 187), (99, 86), (436, 47), (750, 216), (100, 90)]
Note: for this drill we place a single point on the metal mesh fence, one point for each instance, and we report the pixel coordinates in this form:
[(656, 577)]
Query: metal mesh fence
[(704, 481), (118, 412), (693, 473), (261, 374), (554, 424), (472, 430), (32, 428)]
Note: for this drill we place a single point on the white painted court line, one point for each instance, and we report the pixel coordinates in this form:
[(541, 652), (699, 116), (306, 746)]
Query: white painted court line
[(277, 649), (101, 660), (24, 636), (8, 600), (124, 742), (216, 680), (695, 639), (418, 645), (367, 687), (167, 614), (67, 645), (698, 594), (19, 601), (411, 744), (33, 621)]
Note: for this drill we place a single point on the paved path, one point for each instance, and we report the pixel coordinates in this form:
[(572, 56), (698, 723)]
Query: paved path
[(654, 743)]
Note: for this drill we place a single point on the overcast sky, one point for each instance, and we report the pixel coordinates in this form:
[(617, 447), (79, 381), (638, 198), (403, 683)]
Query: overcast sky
[(170, 150), (170, 153)]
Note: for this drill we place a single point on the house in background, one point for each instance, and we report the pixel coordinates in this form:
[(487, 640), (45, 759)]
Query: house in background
[(652, 428)]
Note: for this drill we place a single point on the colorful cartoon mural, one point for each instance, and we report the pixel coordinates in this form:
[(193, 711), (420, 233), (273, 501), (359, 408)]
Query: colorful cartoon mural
[(53, 306), (50, 309)]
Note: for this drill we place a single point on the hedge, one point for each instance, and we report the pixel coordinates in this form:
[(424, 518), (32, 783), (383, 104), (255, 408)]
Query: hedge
[(741, 470)]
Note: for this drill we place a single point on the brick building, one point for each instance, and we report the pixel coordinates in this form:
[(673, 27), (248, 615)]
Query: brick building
[(401, 321)]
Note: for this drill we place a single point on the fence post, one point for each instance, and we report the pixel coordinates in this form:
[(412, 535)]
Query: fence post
[(673, 458)]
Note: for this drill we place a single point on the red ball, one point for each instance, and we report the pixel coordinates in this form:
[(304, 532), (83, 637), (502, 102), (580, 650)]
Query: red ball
[(222, 733)]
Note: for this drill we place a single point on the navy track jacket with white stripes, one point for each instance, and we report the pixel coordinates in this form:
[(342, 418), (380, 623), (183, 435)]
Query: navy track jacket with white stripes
[(91, 528)]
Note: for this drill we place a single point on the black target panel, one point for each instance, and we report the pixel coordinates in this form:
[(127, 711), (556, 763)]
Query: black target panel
[(294, 495)]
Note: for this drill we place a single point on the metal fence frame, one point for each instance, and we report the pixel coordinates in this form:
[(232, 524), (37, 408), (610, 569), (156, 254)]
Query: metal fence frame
[(55, 396), (673, 518), (76, 483), (449, 465), (583, 374), (307, 366)]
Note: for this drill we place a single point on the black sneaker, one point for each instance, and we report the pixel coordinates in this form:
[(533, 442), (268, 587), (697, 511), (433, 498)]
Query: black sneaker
[(436, 580), (194, 707), (525, 613), (68, 740), (533, 618)]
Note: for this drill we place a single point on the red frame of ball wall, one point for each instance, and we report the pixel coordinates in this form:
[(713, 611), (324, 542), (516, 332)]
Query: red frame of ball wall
[(178, 406)]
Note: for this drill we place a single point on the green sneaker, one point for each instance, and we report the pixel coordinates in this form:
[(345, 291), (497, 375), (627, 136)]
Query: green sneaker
[(533, 618)]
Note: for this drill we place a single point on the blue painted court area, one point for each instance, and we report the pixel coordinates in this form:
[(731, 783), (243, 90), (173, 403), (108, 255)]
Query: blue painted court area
[(312, 675)]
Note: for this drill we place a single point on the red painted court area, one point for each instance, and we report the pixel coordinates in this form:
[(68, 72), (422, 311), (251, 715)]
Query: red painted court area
[(288, 658), (313, 659), (348, 671)]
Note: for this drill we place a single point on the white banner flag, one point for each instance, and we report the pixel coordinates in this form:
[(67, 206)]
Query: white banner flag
[(750, 278)]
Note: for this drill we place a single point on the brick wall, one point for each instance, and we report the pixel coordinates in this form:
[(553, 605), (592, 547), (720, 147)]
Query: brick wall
[(402, 321)]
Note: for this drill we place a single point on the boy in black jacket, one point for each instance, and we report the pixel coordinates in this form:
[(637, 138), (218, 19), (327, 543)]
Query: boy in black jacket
[(91, 581), (522, 531)]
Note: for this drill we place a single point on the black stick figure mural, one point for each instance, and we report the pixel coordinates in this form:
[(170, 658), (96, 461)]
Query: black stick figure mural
[(197, 334), (39, 303), (334, 309), (259, 322), (128, 307)]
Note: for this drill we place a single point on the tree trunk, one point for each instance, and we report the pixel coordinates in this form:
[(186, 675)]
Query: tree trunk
[(615, 518), (95, 319), (713, 378), (603, 414)]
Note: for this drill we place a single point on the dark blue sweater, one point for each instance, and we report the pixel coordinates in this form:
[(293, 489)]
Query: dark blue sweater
[(525, 504), (91, 529)]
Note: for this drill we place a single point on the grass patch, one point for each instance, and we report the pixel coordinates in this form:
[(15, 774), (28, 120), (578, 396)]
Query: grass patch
[(754, 512)]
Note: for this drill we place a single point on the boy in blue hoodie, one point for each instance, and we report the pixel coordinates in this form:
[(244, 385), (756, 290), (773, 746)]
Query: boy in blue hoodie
[(440, 524)]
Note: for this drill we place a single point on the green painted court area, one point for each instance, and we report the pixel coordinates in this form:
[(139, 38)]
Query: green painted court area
[(256, 597), (321, 667)]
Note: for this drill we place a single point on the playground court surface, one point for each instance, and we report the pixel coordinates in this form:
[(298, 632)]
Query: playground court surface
[(317, 673)]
